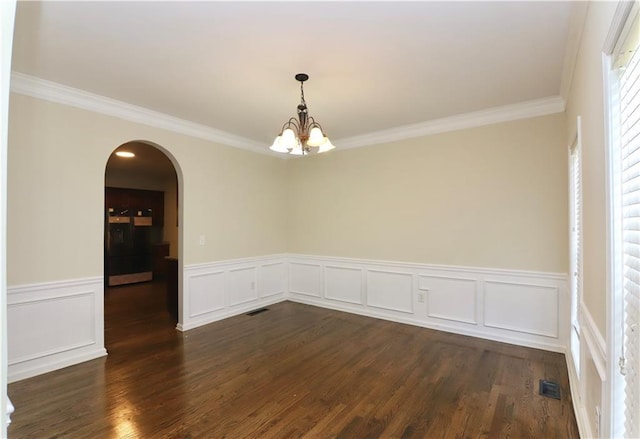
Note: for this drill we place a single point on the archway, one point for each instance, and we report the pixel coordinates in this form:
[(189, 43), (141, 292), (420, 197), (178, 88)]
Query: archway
[(142, 236)]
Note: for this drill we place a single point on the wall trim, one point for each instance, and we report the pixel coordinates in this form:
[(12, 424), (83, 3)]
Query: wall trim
[(620, 16), (379, 313), (71, 359), (266, 260), (572, 46), (579, 409), (28, 85), (226, 313), (61, 94), (73, 335), (47, 286), (215, 295), (595, 341), (417, 265), (218, 290), (489, 116), (541, 333)]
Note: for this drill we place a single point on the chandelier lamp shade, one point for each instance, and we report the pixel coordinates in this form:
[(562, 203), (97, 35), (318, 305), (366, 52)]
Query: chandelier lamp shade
[(302, 135)]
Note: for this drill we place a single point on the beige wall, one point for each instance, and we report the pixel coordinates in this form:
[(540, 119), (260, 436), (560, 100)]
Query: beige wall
[(494, 196), (57, 157), (587, 100)]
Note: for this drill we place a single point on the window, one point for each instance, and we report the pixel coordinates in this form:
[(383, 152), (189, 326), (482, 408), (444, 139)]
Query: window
[(625, 113)]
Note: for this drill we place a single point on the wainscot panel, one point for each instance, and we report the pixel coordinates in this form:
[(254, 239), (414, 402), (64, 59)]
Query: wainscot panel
[(242, 285), (519, 307), (70, 329), (390, 290), (218, 290), (451, 298), (304, 278), (206, 293), (343, 284), (273, 279)]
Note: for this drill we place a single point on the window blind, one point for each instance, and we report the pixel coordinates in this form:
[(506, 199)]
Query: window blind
[(575, 196), (629, 112), (576, 226)]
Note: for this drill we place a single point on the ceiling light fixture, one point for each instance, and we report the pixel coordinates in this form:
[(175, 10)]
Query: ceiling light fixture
[(298, 136), (126, 154)]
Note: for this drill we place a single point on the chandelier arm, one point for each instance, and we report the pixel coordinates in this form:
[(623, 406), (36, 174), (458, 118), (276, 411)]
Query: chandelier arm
[(313, 123), (293, 121)]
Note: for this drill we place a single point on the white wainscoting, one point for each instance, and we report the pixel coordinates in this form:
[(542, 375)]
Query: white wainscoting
[(524, 308), (518, 307), (54, 325), (218, 290), (589, 385)]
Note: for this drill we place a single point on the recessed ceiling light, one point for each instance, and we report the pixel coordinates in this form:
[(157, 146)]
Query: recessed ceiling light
[(126, 154)]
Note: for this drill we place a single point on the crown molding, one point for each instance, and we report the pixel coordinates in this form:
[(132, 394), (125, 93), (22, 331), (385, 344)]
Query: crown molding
[(622, 12), (572, 46), (62, 94), (524, 110)]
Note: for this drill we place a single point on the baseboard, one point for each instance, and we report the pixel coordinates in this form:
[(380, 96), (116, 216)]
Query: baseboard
[(241, 309), (416, 322), (580, 411), (28, 370), (524, 308)]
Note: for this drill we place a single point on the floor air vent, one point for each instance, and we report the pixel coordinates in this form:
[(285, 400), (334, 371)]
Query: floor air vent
[(257, 311), (549, 389)]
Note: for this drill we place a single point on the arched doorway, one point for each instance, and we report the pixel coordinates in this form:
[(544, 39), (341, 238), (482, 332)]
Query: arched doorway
[(142, 240)]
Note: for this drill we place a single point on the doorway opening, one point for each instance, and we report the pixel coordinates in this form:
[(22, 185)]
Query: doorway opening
[(142, 234)]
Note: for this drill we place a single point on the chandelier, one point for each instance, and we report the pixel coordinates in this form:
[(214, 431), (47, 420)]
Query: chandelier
[(299, 136)]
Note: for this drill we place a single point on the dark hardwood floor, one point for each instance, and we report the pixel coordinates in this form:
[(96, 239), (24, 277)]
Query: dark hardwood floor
[(293, 371)]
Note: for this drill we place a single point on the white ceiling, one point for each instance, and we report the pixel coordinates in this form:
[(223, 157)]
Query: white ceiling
[(149, 161), (230, 65)]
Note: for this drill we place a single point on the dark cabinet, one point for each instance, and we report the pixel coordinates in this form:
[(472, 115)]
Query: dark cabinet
[(135, 202), (156, 199), (133, 224), (172, 287), (160, 252)]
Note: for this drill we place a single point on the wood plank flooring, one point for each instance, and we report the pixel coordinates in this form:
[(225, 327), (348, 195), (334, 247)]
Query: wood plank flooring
[(293, 371)]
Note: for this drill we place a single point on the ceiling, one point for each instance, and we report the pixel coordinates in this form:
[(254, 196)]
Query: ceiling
[(230, 65), (149, 161)]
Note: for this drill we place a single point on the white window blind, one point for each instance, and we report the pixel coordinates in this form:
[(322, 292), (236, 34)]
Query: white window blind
[(628, 70), (576, 221), (575, 195)]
